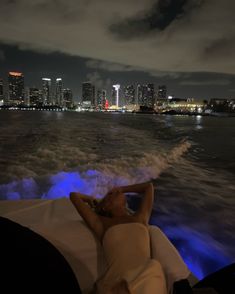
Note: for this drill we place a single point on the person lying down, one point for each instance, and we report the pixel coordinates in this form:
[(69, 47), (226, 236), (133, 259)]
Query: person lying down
[(125, 238)]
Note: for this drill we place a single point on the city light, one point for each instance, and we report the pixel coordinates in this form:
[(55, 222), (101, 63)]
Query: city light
[(117, 87), (16, 74)]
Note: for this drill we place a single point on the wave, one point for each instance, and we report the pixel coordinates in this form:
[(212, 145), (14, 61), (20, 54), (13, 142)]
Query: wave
[(90, 176)]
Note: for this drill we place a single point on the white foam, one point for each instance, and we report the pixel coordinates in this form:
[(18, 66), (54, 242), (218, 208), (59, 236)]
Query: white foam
[(91, 176)]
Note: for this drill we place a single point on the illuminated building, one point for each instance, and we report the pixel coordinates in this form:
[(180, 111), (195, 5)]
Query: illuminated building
[(145, 95), (46, 91), (184, 105), (106, 104), (129, 95), (58, 92), (16, 88), (68, 98), (101, 98), (88, 93), (161, 94), (113, 97), (35, 98), (116, 95), (150, 95), (1, 89), (220, 105)]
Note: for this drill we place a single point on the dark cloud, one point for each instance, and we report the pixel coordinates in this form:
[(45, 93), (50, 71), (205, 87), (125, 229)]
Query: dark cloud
[(159, 17), (98, 81), (217, 82), (220, 47), (111, 66), (152, 35)]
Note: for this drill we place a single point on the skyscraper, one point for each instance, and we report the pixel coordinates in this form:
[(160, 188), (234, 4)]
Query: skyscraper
[(145, 95), (58, 92), (68, 98), (46, 91), (35, 97), (101, 98), (161, 92), (150, 96), (16, 88), (88, 93), (115, 95), (129, 95), (1, 89)]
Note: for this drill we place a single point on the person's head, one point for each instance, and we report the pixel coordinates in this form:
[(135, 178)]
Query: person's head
[(113, 204)]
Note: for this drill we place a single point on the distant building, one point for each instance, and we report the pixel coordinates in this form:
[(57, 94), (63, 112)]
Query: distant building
[(162, 91), (35, 97), (150, 95), (145, 95), (68, 98), (88, 93), (1, 89), (101, 98), (15, 88), (26, 96), (220, 105), (129, 95), (58, 92), (116, 95), (46, 92), (113, 97)]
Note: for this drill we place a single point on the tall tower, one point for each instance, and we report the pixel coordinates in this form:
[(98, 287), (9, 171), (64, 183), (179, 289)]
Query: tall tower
[(58, 92), (129, 94), (101, 98), (1, 89), (16, 88), (161, 92), (145, 95), (68, 98), (46, 91), (34, 97), (88, 93), (142, 95), (116, 88), (150, 99)]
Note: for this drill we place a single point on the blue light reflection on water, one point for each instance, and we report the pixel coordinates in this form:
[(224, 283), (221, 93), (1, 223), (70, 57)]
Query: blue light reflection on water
[(201, 253), (64, 183)]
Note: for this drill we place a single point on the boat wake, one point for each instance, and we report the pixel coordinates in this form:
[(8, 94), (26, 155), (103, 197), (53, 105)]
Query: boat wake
[(94, 177)]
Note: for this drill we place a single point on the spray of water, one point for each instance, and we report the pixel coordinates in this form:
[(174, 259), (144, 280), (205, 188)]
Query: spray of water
[(94, 178)]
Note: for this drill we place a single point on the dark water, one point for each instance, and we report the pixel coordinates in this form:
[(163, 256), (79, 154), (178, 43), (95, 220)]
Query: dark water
[(190, 159)]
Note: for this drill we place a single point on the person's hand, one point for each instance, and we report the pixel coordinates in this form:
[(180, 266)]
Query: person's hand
[(92, 201)]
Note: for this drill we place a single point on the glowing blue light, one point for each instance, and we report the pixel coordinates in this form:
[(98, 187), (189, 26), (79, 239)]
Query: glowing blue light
[(200, 252)]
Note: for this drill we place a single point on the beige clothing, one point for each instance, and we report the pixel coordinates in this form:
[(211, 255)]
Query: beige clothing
[(130, 267)]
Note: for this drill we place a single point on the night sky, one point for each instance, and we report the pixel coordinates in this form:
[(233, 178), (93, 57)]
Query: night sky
[(189, 45)]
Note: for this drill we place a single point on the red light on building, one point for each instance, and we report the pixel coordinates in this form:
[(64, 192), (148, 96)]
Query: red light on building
[(106, 104), (15, 74)]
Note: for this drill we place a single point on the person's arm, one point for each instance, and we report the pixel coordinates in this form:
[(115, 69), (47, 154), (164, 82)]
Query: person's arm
[(145, 209), (137, 188), (89, 216)]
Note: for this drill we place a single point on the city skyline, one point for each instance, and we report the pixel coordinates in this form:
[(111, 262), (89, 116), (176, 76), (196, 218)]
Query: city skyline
[(186, 45), (197, 85), (52, 92)]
